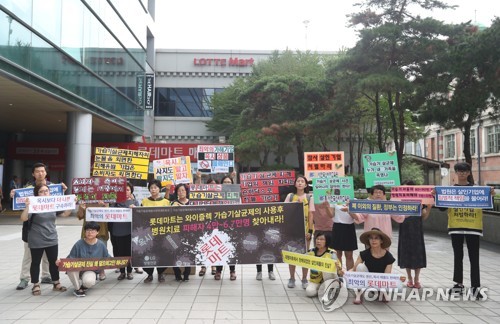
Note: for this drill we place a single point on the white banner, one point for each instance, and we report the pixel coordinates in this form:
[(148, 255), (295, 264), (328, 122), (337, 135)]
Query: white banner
[(378, 281), (118, 215), (45, 204)]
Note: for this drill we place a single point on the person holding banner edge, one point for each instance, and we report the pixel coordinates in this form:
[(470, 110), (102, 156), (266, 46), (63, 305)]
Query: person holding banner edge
[(121, 233), (155, 200), (301, 194), (88, 247), (181, 194), (43, 238), (39, 173)]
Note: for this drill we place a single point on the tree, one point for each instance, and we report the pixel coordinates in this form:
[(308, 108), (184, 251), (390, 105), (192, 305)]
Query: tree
[(392, 45), (458, 87)]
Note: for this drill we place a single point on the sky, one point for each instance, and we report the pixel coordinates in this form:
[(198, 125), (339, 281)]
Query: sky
[(316, 25)]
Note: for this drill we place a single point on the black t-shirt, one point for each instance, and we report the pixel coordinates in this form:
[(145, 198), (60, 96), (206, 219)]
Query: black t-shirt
[(376, 264)]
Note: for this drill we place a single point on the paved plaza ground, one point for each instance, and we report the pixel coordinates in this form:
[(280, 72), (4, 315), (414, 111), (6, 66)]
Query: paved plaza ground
[(246, 300)]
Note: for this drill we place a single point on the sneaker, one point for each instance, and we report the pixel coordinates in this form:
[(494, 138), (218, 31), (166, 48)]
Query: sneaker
[(457, 289), (161, 278), (304, 283), (79, 293), (476, 293), (46, 280), (148, 279), (259, 275), (272, 276), (130, 276), (291, 283), (22, 284)]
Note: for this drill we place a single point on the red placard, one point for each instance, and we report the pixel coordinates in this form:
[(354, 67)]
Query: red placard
[(106, 189), (261, 187)]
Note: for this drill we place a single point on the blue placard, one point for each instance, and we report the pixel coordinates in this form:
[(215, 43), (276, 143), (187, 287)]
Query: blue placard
[(21, 194), (385, 207), (464, 197)]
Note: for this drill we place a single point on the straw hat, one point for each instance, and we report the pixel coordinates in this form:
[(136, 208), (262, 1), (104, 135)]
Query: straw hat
[(386, 240)]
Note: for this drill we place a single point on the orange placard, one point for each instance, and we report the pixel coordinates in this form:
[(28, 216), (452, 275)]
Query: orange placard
[(328, 163)]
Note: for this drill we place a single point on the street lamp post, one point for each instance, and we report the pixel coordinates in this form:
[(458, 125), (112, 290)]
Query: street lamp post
[(479, 124)]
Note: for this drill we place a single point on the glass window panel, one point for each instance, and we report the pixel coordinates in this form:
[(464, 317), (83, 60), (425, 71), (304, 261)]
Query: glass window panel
[(187, 102), (21, 8), (47, 19)]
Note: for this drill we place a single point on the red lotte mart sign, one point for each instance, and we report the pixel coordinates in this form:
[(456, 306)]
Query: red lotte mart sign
[(56, 151), (232, 61)]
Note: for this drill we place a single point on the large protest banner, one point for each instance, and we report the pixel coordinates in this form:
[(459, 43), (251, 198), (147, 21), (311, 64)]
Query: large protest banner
[(422, 194), (381, 169), (464, 197), (106, 189), (214, 194), (216, 235), (45, 204), (385, 207), (316, 163), (112, 162), (216, 158), (260, 187), (335, 190), (173, 171), (20, 195)]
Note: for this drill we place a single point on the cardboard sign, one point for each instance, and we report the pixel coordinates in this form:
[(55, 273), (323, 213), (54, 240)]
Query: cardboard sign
[(385, 207), (464, 197), (216, 158), (118, 215), (310, 261), (173, 171), (214, 194), (46, 204), (422, 194), (381, 169), (111, 162), (316, 163), (373, 280), (20, 195), (335, 190), (216, 234), (106, 189), (260, 187), (90, 264), (465, 219)]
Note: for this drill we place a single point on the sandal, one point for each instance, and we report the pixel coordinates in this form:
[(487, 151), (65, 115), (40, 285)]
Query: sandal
[(130, 276), (121, 276), (217, 276), (409, 284), (233, 275), (36, 290), (417, 285), (203, 270), (58, 287)]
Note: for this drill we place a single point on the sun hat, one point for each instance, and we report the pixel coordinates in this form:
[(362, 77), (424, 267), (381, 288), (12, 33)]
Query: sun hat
[(386, 240)]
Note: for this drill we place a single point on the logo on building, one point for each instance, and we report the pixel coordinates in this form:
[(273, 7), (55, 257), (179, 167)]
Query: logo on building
[(232, 61)]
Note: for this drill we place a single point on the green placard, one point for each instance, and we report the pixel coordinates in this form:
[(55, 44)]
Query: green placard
[(335, 190), (381, 169)]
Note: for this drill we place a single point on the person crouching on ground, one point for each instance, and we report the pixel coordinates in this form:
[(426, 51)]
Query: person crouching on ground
[(321, 250), (88, 247), (376, 258)]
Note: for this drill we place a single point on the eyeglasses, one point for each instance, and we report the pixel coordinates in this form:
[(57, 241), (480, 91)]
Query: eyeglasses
[(91, 230), (462, 171)]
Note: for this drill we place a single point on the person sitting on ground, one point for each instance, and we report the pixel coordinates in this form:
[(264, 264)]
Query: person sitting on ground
[(321, 250), (88, 247), (376, 258)]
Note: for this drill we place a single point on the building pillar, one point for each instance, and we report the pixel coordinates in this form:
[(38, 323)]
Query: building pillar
[(79, 146)]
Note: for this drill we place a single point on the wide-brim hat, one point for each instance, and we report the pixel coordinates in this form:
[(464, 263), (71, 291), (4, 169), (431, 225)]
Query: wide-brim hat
[(386, 240)]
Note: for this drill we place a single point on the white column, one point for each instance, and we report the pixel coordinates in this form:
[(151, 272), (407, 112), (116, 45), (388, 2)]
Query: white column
[(78, 144)]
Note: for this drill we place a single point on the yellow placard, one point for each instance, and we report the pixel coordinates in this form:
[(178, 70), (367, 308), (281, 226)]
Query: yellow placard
[(120, 167), (465, 218), (126, 174), (121, 159), (122, 152), (309, 261)]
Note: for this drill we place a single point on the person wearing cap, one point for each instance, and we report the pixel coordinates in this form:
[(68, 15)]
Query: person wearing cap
[(376, 258), (88, 247), (468, 229)]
